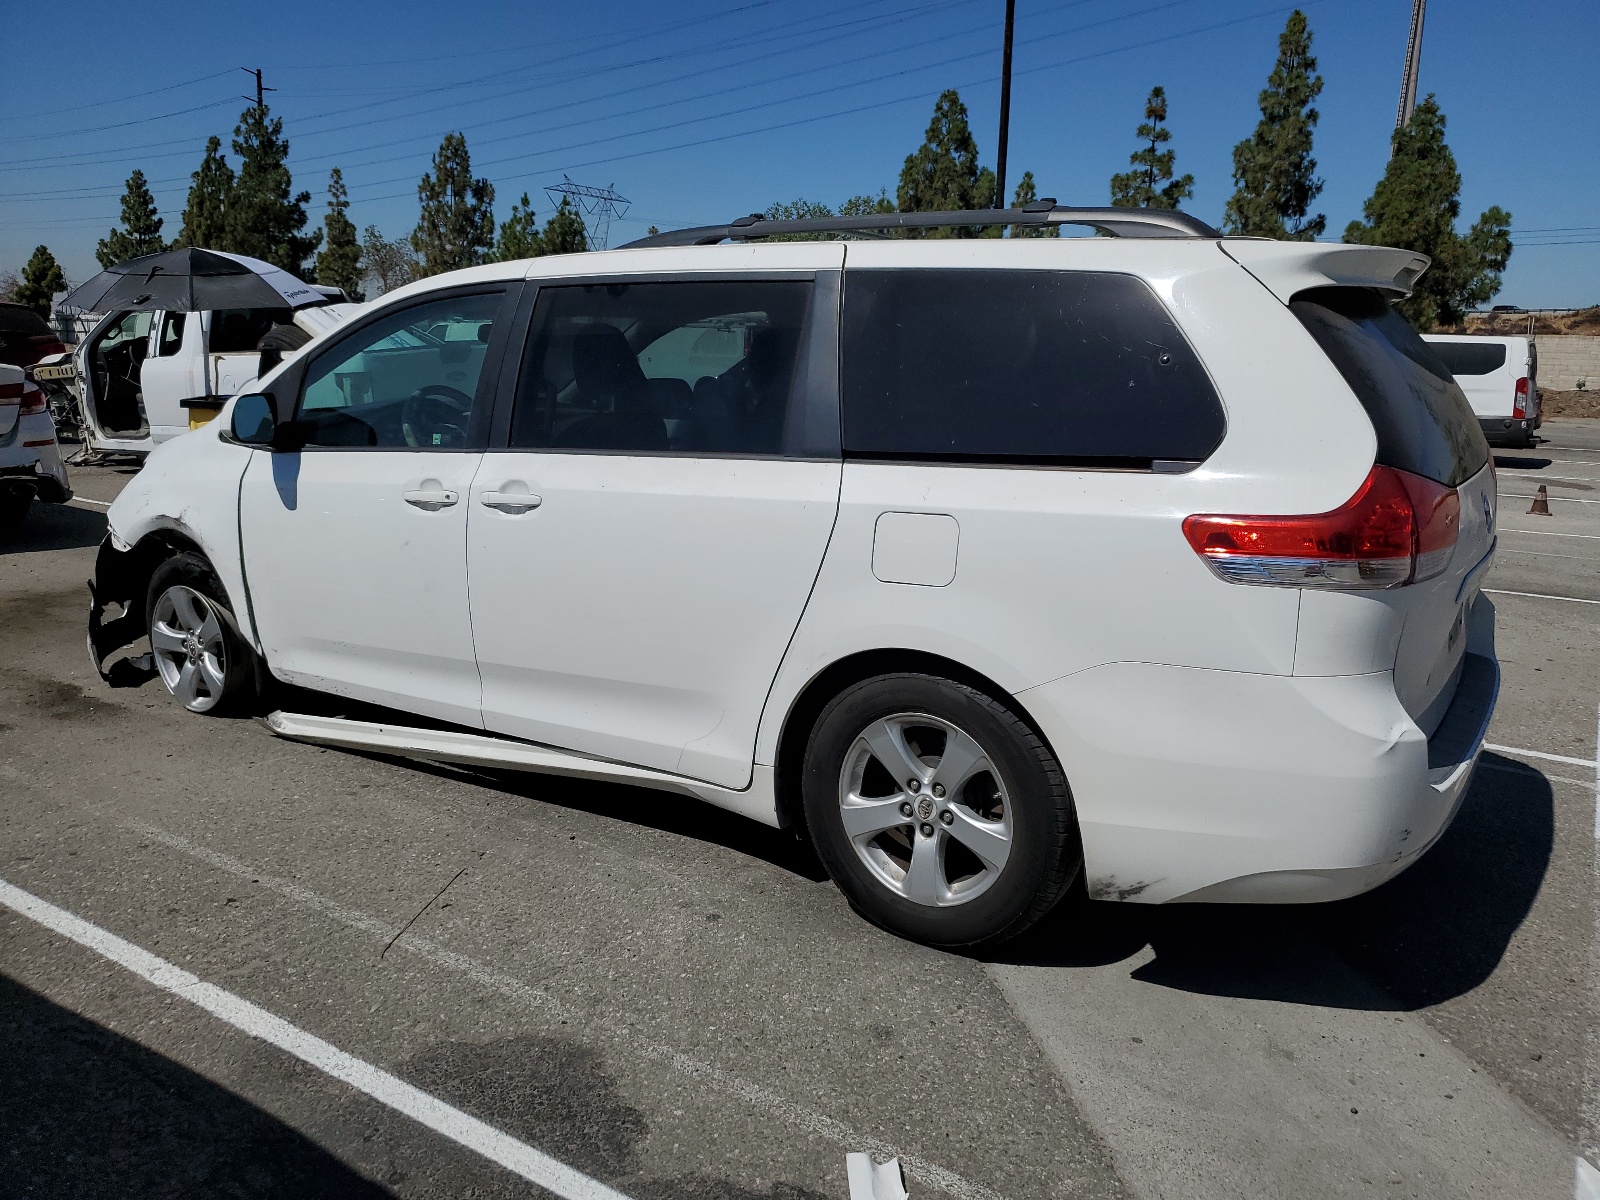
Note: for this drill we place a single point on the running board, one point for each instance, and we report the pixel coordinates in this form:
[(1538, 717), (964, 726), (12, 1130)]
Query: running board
[(483, 750)]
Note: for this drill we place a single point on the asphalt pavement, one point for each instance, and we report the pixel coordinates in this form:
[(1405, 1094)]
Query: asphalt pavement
[(673, 1002)]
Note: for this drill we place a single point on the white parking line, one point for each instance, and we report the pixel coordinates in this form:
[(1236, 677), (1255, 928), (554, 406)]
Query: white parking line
[(1540, 596), (1560, 758), (1563, 499), (783, 1113), (1541, 475), (1525, 770), (1552, 533), (86, 500), (515, 1156)]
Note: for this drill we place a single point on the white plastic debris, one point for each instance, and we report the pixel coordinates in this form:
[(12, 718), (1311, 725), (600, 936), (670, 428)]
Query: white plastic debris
[(874, 1181)]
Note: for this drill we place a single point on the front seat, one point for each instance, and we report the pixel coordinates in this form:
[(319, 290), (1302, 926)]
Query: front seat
[(609, 380)]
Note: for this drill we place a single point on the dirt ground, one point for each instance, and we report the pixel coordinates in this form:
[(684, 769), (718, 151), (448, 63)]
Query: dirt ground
[(1578, 322), (1569, 404)]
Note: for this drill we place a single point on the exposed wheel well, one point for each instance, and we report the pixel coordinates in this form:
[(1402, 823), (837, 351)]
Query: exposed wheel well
[(828, 683)]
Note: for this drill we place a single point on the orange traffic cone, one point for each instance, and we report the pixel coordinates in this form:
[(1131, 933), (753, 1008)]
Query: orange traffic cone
[(1541, 503)]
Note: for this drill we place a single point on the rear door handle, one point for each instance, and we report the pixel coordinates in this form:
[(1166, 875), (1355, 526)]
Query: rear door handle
[(515, 503), (430, 499)]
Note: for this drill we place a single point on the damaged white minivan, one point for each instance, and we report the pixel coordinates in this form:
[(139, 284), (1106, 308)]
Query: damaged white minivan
[(987, 564)]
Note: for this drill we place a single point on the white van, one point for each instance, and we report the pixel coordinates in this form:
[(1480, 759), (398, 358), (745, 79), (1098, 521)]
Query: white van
[(983, 562), (145, 376), (1500, 378)]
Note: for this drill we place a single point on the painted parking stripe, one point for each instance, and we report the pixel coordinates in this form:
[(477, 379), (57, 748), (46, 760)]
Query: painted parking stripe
[(1563, 499), (1552, 533), (1539, 596), (782, 1112), (515, 1156), (86, 500), (1560, 758), (1525, 770)]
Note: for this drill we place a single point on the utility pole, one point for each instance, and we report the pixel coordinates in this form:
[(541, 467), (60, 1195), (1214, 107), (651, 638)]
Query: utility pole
[(1408, 81), (260, 100), (1005, 108)]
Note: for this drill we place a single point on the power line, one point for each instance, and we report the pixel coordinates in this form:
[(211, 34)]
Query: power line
[(171, 87), (904, 14)]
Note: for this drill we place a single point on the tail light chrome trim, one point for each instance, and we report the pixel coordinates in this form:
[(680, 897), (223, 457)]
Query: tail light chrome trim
[(1398, 528)]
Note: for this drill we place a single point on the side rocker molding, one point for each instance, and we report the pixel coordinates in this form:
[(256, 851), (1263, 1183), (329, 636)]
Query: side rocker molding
[(480, 750)]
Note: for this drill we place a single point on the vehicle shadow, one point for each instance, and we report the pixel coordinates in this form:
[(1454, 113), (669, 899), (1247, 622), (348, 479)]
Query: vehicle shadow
[(667, 812), (1435, 932), (53, 527), (88, 1112)]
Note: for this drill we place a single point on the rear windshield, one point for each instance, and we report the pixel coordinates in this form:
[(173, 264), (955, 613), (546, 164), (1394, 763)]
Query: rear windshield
[(1423, 421), (1470, 358), (14, 318), (1061, 368)]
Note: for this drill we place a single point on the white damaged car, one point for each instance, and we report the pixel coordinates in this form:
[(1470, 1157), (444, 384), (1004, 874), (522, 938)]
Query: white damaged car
[(986, 564)]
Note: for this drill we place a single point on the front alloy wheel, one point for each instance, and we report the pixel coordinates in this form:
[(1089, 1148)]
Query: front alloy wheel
[(186, 637)]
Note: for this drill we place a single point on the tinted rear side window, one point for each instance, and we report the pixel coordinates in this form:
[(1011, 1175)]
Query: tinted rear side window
[(1470, 358), (1423, 421), (1050, 367)]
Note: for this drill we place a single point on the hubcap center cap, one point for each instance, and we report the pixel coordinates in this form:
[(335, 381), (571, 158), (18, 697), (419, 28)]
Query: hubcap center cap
[(925, 807)]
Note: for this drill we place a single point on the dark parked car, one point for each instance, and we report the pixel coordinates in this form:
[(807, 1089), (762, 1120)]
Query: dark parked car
[(25, 336)]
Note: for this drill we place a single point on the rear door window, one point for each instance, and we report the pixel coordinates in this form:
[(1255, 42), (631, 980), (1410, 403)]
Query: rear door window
[(1423, 420), (1029, 367), (1470, 358)]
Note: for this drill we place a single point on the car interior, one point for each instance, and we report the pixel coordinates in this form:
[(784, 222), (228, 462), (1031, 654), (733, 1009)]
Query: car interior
[(690, 367), (115, 361)]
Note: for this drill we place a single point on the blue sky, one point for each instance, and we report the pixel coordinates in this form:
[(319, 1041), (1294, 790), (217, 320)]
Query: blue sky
[(703, 110)]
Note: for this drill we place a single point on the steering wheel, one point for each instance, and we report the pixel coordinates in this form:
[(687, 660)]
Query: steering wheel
[(435, 415)]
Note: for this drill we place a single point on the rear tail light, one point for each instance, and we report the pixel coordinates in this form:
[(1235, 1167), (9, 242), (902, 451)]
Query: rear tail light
[(1398, 528), (33, 401), (1519, 406)]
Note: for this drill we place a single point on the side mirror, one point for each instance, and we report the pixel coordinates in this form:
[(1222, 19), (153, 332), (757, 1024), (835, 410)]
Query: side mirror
[(254, 422)]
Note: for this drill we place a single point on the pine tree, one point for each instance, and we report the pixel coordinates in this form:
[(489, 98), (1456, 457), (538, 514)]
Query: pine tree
[(1415, 207), (339, 265), (1143, 187), (867, 206), (389, 264), (41, 279), (1273, 168), (456, 227), (141, 226), (943, 175), (1027, 192), (564, 233), (205, 216), (519, 234), (265, 216)]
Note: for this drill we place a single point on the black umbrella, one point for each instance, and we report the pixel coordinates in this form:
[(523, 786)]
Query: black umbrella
[(189, 280)]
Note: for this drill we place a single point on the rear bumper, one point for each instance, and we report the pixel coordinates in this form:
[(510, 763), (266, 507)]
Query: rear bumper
[(45, 478), (1507, 428), (1226, 787)]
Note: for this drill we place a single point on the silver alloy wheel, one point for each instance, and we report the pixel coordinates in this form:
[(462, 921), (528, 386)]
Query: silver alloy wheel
[(186, 639), (925, 809)]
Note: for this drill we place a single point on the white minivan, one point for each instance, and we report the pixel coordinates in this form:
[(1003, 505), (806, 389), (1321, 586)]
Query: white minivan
[(1500, 377), (986, 564)]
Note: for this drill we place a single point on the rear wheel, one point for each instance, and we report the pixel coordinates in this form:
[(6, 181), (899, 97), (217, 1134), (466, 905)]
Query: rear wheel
[(938, 812), (195, 642)]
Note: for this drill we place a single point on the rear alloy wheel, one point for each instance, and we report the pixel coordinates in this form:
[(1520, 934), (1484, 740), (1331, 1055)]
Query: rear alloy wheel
[(194, 641), (938, 812)]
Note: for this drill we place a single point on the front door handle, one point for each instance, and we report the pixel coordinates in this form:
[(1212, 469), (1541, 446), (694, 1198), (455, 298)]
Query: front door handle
[(430, 497), (513, 502)]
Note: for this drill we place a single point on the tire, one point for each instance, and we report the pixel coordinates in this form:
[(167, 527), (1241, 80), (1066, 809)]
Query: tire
[(981, 857), (198, 652)]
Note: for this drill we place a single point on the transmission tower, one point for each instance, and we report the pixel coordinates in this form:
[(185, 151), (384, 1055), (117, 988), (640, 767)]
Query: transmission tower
[(599, 206), (1408, 81)]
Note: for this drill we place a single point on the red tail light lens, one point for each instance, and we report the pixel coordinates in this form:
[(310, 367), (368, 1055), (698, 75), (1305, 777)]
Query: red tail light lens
[(1398, 528), (33, 401), (1519, 406)]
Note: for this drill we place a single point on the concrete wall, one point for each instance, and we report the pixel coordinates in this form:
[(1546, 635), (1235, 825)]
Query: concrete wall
[(1565, 360)]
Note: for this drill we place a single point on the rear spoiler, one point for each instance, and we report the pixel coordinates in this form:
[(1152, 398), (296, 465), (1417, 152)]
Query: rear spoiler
[(1287, 268)]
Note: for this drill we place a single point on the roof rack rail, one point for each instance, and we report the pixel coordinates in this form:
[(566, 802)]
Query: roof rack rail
[(1117, 222)]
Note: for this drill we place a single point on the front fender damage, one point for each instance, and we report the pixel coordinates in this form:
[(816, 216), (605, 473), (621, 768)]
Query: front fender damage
[(121, 578)]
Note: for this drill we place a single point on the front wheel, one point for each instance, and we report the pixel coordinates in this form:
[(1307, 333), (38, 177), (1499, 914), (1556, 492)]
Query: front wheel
[(195, 642), (938, 812)]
